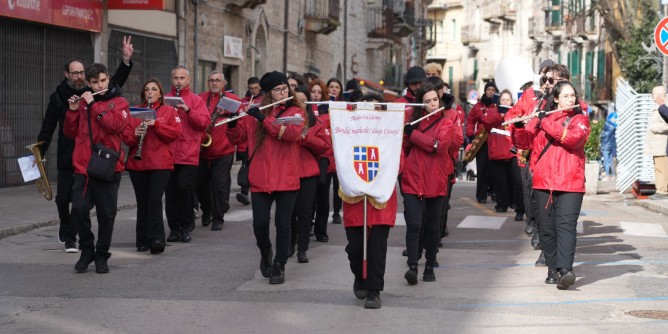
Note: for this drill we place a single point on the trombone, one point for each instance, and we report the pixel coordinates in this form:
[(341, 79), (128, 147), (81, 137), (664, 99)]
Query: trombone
[(243, 114)]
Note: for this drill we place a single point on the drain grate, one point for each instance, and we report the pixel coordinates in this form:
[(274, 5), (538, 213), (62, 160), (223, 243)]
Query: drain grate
[(649, 314)]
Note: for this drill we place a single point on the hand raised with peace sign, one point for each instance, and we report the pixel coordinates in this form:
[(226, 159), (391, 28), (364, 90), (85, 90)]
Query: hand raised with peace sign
[(127, 49)]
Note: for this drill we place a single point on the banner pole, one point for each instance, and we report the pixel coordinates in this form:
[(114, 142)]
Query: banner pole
[(364, 266)]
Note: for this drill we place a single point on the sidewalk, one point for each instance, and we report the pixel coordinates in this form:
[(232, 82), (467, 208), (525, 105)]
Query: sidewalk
[(23, 208)]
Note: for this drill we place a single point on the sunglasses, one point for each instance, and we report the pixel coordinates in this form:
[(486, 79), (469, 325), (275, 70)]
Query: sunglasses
[(551, 81)]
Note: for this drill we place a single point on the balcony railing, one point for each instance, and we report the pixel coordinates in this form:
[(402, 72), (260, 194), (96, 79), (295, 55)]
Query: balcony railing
[(379, 22), (322, 16), (246, 3), (470, 33), (495, 11)]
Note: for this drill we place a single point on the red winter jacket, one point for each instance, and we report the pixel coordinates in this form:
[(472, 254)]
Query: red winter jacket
[(108, 119), (327, 125), (245, 105), (316, 143), (457, 117), (220, 144), (156, 149), (525, 106), (498, 145), (428, 162), (193, 123), (408, 98), (274, 166), (561, 168)]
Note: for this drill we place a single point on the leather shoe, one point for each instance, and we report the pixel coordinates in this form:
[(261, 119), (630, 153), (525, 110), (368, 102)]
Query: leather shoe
[(428, 274), (552, 276), (206, 220), (87, 256), (359, 292), (336, 219), (519, 216), (500, 208), (566, 279), (185, 236), (540, 262), (372, 299), (322, 238), (142, 249), (535, 241), (404, 252), (301, 257), (243, 199), (157, 247), (291, 251), (217, 226), (277, 274), (174, 236), (530, 227), (411, 275), (101, 266), (265, 262)]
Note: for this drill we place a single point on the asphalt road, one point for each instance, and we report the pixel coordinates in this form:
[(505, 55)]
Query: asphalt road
[(487, 281)]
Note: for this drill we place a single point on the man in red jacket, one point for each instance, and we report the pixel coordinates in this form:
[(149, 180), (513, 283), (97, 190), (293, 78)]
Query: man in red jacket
[(215, 161), (179, 193), (99, 119)]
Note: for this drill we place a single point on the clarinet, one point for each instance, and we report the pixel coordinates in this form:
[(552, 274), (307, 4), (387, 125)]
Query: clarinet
[(141, 138)]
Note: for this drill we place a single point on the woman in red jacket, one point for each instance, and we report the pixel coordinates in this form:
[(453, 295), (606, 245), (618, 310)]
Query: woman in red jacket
[(424, 182), (558, 178), (149, 175), (379, 222), (274, 152), (315, 141)]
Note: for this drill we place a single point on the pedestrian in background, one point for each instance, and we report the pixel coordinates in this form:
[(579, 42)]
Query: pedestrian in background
[(609, 145), (655, 144)]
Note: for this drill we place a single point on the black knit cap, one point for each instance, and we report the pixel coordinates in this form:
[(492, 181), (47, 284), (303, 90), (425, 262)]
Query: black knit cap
[(416, 74), (491, 84), (272, 79)]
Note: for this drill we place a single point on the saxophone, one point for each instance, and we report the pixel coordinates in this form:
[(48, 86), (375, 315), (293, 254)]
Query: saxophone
[(476, 144), (214, 117), (42, 183)]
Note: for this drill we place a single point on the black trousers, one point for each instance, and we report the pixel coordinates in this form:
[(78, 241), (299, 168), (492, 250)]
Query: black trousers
[(445, 208), (68, 225), (322, 205), (88, 193), (149, 188), (261, 203), (419, 210), (527, 187), (244, 163), (213, 186), (558, 218), (179, 197), (517, 189), (303, 211), (376, 254), (482, 174), (501, 177), (336, 199)]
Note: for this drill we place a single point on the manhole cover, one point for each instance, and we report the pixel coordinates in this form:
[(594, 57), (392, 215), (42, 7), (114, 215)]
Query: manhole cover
[(649, 314)]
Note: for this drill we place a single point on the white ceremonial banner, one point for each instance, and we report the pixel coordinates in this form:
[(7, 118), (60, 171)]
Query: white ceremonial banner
[(367, 149)]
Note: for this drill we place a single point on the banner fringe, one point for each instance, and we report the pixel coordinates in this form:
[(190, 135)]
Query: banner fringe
[(356, 199)]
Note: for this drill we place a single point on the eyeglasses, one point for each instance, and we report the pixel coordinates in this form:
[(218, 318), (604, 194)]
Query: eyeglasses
[(215, 81), (77, 74), (279, 90)]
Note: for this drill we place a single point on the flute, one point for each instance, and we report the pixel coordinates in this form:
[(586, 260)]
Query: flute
[(528, 117), (378, 103), (425, 116), (243, 114), (81, 98)]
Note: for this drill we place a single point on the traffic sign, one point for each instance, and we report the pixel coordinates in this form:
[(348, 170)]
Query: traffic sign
[(661, 36)]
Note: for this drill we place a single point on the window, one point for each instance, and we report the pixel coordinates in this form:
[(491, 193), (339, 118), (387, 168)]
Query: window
[(450, 75), (203, 69)]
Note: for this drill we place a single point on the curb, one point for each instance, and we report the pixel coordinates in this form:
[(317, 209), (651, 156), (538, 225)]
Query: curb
[(12, 231), (649, 205)]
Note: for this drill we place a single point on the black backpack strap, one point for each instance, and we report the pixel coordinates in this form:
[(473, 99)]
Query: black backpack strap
[(566, 122)]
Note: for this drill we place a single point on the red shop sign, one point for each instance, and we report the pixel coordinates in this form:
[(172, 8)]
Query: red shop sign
[(31, 10), (136, 4), (78, 14)]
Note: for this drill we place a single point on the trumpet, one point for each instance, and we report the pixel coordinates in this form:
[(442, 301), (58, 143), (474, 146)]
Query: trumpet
[(243, 114), (534, 114), (81, 98), (42, 183)]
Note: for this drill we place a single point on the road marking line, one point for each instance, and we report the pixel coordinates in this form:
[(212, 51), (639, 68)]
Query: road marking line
[(565, 302), (485, 222), (479, 206)]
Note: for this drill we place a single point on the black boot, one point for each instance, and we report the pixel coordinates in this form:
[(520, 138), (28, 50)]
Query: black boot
[(411, 275), (541, 260), (101, 266), (552, 276), (566, 279), (206, 219), (174, 236), (535, 241), (157, 247), (217, 225), (185, 235), (372, 299), (530, 227), (358, 291), (277, 274), (428, 275), (265, 262), (87, 256), (301, 257)]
